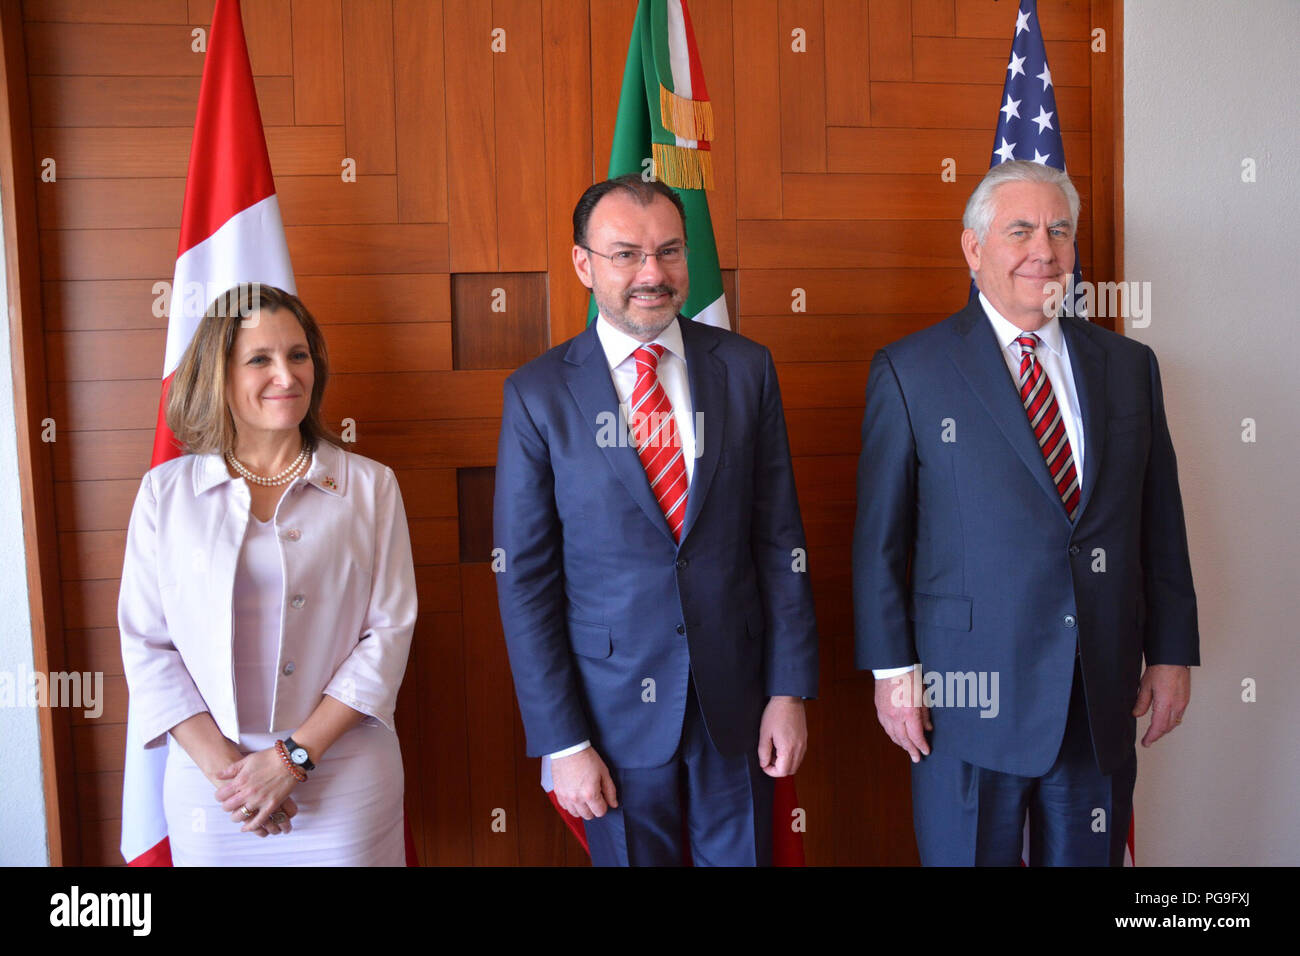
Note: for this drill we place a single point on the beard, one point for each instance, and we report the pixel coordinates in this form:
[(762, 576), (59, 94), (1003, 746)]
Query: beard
[(618, 310)]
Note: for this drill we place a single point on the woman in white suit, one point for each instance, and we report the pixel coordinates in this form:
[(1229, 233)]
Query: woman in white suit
[(267, 606)]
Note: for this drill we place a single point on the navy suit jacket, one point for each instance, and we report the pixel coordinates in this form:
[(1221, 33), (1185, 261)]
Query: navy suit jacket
[(964, 558), (605, 616)]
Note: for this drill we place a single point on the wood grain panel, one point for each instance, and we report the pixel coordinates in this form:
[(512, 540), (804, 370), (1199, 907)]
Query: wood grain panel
[(519, 137), (368, 250), (95, 405), (609, 33), (891, 40), (934, 18), (803, 87), (471, 165), (141, 101), (106, 11), (369, 116), (95, 505), (1060, 19), (421, 116), (317, 62), (712, 21), (822, 384), (107, 253), (395, 347), (111, 49), (848, 63), (91, 152), (960, 105), (354, 299), (417, 396), (822, 338), (428, 492), (880, 150), (875, 196), (105, 304), (474, 491), (567, 65), (971, 60), (845, 291), (498, 320), (96, 649), (831, 244), (758, 122), (492, 783), (329, 200), (266, 25)]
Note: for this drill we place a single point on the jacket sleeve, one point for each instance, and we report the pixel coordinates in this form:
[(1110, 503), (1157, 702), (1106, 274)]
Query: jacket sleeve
[(780, 554), (369, 677), (885, 528), (530, 584), (162, 691), (1172, 635)]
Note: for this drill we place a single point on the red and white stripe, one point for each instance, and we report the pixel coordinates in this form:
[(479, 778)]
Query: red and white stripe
[(684, 58), (230, 233)]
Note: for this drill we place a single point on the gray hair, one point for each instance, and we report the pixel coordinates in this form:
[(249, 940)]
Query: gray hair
[(979, 208)]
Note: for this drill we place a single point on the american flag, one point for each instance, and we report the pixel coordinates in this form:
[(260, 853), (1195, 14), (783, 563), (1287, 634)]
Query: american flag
[(1028, 124)]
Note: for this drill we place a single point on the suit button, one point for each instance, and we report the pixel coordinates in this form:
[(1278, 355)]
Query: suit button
[(293, 534), (298, 600), (681, 564), (1075, 549), (1069, 620), (289, 668), (681, 628)]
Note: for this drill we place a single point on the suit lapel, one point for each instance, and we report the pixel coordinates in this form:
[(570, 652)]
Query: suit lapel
[(1088, 365), (979, 359), (708, 377), (586, 374)]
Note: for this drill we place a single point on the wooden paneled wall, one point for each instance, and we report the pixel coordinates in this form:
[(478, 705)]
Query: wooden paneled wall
[(468, 165)]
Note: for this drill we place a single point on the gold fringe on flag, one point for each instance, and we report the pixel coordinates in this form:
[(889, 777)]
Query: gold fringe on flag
[(683, 168), (689, 119)]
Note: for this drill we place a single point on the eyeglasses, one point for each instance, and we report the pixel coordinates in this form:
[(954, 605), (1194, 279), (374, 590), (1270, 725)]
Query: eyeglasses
[(626, 260)]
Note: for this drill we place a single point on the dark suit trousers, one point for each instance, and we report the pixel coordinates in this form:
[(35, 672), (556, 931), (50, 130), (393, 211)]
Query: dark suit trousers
[(970, 816), (700, 807)]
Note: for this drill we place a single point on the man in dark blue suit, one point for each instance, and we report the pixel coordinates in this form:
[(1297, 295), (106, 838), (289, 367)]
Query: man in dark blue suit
[(654, 597), (1020, 551)]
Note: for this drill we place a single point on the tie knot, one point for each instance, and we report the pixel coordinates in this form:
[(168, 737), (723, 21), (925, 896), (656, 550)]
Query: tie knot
[(1027, 342), (649, 355)]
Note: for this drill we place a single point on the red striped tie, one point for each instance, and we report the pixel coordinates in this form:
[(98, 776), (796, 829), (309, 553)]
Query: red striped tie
[(1048, 425), (654, 430)]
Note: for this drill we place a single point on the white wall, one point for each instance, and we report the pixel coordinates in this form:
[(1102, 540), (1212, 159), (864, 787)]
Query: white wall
[(22, 801), (1206, 85)]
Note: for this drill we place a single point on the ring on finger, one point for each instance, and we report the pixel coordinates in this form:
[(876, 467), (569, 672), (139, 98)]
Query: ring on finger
[(279, 818), (248, 814)]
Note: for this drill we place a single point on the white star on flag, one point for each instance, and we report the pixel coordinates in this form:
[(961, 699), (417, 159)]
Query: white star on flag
[(1005, 150), (1040, 157), (1022, 21), (1045, 76), (1016, 66), (1011, 108), (1043, 119)]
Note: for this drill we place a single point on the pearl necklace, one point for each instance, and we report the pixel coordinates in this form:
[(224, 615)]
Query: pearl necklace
[(287, 475)]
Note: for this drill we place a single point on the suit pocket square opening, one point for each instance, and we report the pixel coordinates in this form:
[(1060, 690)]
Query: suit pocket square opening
[(590, 640), (941, 610)]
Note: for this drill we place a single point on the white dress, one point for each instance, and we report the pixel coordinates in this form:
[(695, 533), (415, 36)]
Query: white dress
[(349, 808)]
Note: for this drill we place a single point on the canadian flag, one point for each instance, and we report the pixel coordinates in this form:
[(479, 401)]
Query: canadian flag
[(230, 233)]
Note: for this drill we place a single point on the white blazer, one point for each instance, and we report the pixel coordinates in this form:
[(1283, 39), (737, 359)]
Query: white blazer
[(348, 600)]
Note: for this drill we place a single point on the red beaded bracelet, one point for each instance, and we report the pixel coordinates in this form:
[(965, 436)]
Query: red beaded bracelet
[(298, 773)]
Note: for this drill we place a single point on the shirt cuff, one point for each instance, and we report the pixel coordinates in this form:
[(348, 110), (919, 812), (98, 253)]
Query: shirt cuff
[(886, 672), (569, 751)]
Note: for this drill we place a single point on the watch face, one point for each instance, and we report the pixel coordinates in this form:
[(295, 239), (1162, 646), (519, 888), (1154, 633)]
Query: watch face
[(299, 755)]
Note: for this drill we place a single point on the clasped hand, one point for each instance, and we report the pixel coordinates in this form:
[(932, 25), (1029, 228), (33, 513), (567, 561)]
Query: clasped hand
[(260, 782)]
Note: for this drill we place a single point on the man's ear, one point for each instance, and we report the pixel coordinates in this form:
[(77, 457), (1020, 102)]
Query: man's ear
[(970, 247), (582, 265)]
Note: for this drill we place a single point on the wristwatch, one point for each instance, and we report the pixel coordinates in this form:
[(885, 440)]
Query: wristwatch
[(298, 754)]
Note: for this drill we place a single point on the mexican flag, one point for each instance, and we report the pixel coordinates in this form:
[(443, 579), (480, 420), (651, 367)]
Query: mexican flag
[(665, 123)]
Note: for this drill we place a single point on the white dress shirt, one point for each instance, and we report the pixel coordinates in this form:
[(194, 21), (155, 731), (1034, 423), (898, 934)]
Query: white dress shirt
[(671, 370), (1054, 358), (347, 603)]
